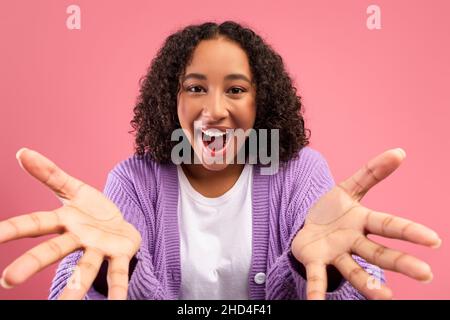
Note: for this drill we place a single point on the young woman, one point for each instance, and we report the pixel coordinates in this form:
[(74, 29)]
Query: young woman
[(211, 230)]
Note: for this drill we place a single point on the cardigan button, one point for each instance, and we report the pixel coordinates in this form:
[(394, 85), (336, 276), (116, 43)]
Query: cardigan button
[(260, 278)]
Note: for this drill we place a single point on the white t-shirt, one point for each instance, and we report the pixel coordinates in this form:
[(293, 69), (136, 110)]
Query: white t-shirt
[(215, 240)]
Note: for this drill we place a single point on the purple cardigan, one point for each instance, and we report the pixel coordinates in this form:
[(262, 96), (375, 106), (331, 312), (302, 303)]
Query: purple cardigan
[(147, 195)]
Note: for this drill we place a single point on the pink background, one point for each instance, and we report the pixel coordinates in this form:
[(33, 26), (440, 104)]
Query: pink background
[(69, 94)]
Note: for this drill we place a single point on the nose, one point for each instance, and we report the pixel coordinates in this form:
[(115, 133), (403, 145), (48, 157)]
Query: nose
[(215, 108)]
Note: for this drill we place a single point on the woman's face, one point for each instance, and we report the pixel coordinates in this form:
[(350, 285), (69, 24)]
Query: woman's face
[(217, 90)]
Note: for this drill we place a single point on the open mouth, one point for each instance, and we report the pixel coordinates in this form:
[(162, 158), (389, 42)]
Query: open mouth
[(215, 140)]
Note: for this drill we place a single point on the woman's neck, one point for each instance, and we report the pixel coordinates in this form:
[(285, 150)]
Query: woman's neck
[(211, 183)]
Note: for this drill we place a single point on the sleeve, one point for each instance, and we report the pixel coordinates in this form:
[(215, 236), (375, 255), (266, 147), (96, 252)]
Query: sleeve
[(143, 283), (63, 273), (285, 271)]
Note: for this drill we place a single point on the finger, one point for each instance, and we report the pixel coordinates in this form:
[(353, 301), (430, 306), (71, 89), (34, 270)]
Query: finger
[(118, 278), (47, 172), (316, 281), (360, 279), (38, 258), (373, 172), (30, 225), (390, 226), (83, 275), (393, 260)]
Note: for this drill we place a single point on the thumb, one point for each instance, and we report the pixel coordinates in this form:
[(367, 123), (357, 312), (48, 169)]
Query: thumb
[(47, 172), (373, 172)]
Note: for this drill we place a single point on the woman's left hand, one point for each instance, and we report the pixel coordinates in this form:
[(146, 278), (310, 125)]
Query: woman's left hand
[(337, 226)]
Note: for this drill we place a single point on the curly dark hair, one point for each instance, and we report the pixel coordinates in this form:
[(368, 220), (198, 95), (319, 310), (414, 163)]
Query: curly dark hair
[(277, 104)]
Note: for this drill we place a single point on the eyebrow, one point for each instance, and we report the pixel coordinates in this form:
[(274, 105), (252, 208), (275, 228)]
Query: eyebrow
[(232, 76)]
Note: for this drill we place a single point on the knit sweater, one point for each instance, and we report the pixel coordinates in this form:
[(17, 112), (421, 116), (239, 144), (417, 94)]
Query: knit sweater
[(146, 193)]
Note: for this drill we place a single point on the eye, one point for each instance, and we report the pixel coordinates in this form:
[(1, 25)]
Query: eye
[(195, 89), (236, 90)]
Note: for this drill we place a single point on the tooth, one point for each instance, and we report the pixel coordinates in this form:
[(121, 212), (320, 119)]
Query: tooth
[(214, 133)]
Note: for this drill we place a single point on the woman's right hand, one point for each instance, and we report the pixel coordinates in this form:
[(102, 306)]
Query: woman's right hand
[(87, 220)]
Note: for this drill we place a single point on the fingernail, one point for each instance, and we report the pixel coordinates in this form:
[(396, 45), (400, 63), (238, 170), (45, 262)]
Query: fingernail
[(428, 280), (19, 152), (402, 152), (437, 245), (4, 284)]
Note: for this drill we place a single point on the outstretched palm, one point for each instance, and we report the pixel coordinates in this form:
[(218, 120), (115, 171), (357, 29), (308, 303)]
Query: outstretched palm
[(87, 220), (337, 226)]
